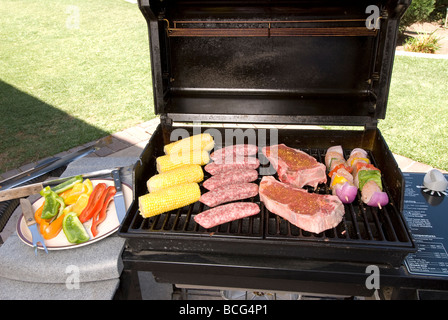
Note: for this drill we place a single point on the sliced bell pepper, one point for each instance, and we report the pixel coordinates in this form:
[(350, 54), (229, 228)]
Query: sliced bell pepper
[(51, 230), (100, 216), (48, 229), (72, 195), (80, 204), (365, 160), (339, 166), (54, 204), (337, 180), (74, 229), (361, 165), (66, 185), (365, 176), (95, 203), (38, 213)]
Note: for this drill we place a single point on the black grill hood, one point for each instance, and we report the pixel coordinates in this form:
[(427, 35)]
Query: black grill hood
[(302, 62)]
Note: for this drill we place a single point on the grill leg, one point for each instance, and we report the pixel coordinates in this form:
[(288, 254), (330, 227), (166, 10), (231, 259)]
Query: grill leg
[(129, 288)]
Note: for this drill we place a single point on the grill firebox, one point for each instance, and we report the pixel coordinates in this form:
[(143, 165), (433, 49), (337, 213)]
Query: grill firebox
[(366, 233)]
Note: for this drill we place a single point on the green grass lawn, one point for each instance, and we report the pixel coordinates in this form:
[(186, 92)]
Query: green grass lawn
[(70, 72), (416, 124)]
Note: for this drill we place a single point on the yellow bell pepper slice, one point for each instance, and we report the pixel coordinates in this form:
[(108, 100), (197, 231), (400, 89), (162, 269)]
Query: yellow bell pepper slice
[(89, 186), (80, 204), (71, 196), (362, 159), (338, 179)]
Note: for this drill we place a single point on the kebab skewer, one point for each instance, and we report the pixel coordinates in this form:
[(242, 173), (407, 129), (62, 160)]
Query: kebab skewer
[(367, 178), (342, 184)]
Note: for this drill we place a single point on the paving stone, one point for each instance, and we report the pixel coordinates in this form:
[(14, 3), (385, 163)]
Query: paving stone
[(139, 133), (126, 137), (104, 152), (28, 166), (118, 144), (10, 173)]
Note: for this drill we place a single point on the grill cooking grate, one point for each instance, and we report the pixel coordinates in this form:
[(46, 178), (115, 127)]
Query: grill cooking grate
[(180, 222), (361, 224)]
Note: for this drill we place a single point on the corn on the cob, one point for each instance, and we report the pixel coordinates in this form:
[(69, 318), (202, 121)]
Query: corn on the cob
[(168, 199), (183, 174), (176, 160), (203, 141)]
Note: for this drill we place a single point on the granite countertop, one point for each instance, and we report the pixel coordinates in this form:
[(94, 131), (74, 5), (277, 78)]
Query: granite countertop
[(87, 272)]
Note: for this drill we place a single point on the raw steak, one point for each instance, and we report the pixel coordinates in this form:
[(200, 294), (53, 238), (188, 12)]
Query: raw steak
[(295, 167), (309, 211)]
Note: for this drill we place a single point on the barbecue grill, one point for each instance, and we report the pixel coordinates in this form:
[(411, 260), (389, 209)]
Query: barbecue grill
[(263, 62)]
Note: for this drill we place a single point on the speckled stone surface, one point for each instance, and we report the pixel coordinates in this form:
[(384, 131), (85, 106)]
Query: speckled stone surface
[(88, 272), (95, 262), (22, 290)]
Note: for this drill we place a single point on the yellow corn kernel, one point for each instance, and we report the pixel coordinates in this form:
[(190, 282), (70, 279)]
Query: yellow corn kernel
[(168, 199), (176, 160), (203, 141), (182, 174)]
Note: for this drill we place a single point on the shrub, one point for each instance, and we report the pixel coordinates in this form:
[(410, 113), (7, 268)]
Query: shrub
[(418, 11), (424, 43), (439, 12)]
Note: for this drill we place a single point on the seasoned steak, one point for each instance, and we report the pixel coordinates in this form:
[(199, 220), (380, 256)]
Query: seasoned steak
[(309, 211), (295, 167)]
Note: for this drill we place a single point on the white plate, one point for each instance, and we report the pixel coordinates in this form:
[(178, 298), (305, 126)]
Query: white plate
[(60, 242)]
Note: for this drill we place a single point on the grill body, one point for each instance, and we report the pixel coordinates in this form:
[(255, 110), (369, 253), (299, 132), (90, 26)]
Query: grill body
[(286, 62)]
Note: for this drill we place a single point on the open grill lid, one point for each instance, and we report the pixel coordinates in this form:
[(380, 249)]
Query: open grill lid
[(303, 62)]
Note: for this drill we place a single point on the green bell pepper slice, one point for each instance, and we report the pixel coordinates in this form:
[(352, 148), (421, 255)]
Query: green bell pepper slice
[(365, 176), (73, 229), (64, 186), (54, 204)]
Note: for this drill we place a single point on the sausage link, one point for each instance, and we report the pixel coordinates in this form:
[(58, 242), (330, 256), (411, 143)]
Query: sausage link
[(233, 151), (228, 193), (246, 163), (230, 177), (226, 213)]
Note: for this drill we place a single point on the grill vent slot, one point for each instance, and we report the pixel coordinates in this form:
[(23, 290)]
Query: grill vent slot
[(274, 28)]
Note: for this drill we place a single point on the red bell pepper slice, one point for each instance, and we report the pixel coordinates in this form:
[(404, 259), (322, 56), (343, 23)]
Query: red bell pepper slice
[(369, 166), (339, 166), (95, 202), (100, 216)]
